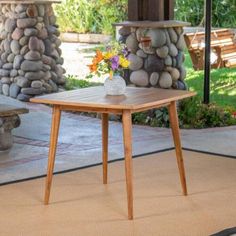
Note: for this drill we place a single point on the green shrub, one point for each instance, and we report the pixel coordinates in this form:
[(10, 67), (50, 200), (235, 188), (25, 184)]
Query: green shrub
[(223, 12), (109, 12), (154, 117), (94, 16), (75, 16), (192, 114)]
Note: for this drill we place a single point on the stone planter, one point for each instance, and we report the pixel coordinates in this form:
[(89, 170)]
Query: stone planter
[(31, 62)]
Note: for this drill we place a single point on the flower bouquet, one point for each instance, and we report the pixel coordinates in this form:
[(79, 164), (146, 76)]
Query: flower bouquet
[(111, 62)]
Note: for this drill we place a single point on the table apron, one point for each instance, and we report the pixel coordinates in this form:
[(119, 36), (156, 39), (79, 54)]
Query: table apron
[(107, 110), (150, 107)]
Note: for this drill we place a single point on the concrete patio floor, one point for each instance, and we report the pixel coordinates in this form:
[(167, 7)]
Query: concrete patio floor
[(80, 142), (80, 136)]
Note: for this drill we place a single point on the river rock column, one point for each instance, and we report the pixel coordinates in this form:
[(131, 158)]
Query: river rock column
[(160, 63), (31, 62)]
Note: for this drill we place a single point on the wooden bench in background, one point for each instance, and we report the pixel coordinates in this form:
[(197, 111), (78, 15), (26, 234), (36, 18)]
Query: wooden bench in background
[(223, 45), (9, 119)]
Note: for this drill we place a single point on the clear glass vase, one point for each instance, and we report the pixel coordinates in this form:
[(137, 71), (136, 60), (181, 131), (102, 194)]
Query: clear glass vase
[(115, 86)]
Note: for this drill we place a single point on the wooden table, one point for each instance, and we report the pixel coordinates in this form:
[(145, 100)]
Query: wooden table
[(94, 100)]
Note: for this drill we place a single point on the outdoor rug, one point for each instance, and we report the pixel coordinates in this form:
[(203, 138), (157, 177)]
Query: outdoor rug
[(81, 205), (226, 232)]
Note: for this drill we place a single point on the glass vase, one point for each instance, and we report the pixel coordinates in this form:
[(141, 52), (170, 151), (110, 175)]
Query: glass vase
[(115, 85)]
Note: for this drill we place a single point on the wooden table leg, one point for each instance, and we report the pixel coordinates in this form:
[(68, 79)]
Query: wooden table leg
[(127, 135), (105, 126), (56, 116), (178, 149)]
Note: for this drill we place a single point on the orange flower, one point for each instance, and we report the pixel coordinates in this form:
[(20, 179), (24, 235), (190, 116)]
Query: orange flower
[(95, 61), (99, 56), (92, 67)]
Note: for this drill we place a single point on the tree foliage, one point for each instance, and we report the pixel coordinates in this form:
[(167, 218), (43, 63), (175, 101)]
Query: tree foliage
[(223, 12)]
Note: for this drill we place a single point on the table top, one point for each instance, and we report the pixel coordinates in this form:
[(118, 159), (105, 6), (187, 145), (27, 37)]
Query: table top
[(95, 97)]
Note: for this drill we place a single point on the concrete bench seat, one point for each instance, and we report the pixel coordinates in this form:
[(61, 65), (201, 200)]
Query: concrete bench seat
[(9, 119)]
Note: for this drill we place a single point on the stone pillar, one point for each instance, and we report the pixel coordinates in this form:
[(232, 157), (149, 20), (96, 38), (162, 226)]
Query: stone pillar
[(156, 53), (31, 62)]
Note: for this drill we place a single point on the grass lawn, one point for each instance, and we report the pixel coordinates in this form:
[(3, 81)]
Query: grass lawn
[(223, 84), (74, 83)]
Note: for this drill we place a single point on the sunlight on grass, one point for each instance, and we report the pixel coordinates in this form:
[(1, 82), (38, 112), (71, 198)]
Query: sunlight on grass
[(232, 93), (73, 82), (223, 84)]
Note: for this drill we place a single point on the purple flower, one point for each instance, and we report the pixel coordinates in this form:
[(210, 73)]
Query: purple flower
[(125, 51), (114, 62)]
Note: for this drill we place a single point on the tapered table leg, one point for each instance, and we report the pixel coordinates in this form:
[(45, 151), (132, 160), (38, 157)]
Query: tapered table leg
[(56, 116), (178, 149), (105, 127), (127, 134)]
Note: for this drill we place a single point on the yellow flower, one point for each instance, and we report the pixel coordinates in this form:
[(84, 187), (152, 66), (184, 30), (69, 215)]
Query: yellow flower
[(124, 62), (108, 55)]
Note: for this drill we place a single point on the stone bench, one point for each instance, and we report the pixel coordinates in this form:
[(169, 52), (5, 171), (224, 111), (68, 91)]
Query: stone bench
[(9, 119)]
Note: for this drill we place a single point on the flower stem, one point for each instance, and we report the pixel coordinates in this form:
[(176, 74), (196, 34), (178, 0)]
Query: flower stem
[(111, 75)]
